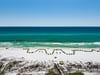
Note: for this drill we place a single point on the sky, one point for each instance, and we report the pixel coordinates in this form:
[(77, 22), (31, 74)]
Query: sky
[(49, 12)]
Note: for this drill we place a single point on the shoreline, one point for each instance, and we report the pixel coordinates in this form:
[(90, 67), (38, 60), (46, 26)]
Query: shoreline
[(51, 44)]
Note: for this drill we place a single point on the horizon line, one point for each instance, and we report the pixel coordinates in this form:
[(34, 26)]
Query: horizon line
[(49, 25)]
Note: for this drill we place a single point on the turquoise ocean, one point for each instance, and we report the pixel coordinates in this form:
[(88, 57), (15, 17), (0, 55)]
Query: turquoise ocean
[(69, 37)]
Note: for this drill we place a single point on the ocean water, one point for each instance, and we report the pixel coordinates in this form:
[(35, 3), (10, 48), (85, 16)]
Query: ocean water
[(71, 37)]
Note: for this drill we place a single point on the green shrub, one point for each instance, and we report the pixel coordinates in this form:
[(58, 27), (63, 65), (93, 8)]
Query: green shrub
[(76, 73), (52, 73), (10, 66), (2, 72), (61, 62)]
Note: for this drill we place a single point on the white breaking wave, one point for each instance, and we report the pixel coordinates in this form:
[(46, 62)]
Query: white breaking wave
[(55, 43), (22, 44), (6, 44)]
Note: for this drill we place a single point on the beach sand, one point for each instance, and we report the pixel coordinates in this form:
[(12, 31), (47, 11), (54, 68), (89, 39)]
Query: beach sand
[(55, 54)]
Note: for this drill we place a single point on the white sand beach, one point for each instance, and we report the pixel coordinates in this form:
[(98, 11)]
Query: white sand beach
[(56, 54), (48, 56)]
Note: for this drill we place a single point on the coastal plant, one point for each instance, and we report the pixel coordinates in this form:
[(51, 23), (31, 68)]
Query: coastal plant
[(76, 73), (52, 73), (61, 62), (10, 66), (2, 72)]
